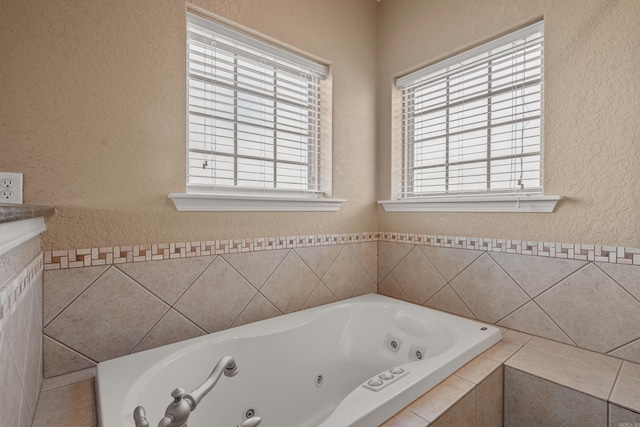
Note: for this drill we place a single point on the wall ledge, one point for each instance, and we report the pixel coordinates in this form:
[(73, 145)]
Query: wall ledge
[(13, 234), (496, 203)]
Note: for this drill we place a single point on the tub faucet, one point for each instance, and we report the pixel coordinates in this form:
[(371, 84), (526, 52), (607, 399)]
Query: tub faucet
[(178, 411)]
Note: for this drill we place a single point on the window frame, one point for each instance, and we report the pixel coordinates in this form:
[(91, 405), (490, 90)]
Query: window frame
[(485, 200), (199, 197)]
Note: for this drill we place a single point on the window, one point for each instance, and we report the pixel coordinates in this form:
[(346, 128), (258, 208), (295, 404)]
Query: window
[(472, 124), (255, 120)]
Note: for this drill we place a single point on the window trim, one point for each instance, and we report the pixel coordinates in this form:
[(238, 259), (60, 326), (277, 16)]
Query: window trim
[(210, 198), (485, 201)]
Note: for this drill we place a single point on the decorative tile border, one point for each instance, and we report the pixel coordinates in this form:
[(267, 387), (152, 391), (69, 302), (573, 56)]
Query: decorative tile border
[(74, 258), (611, 254), (12, 295)]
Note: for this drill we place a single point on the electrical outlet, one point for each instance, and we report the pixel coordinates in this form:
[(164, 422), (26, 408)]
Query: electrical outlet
[(11, 188)]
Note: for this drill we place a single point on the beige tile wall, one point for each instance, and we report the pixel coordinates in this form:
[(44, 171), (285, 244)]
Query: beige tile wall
[(582, 295), (21, 337), (96, 313), (589, 304)]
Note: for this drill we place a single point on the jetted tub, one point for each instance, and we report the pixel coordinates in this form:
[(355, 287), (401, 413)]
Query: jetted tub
[(305, 369)]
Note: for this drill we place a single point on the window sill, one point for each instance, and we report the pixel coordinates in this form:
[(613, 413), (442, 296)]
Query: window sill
[(203, 202), (497, 203)]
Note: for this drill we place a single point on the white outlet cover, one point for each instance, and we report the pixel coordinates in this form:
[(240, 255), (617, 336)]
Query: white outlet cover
[(11, 188)]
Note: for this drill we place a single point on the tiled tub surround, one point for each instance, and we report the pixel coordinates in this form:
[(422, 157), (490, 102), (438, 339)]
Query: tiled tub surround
[(582, 295), (590, 304), (587, 388), (20, 333), (98, 313)]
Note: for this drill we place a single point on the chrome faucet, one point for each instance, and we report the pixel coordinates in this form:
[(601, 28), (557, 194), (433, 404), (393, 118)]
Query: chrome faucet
[(178, 411)]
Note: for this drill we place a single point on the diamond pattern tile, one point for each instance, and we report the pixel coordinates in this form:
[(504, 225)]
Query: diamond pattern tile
[(627, 276), (59, 359), (258, 309), (173, 327), (290, 285), (447, 300), (256, 267), (588, 306), (365, 252), (366, 286), (417, 276), (103, 327), (629, 351), (450, 262), (216, 298), (487, 290), (344, 275), (167, 279), (320, 296), (390, 287), (392, 253), (319, 258), (531, 319), (536, 274), (62, 286), (382, 270)]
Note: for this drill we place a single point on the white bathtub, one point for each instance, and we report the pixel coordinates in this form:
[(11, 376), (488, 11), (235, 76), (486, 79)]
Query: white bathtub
[(303, 369)]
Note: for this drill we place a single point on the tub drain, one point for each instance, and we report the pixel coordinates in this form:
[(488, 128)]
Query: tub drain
[(419, 355), (249, 413)]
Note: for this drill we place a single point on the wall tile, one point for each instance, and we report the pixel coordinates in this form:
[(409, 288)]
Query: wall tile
[(577, 354), (11, 390), (216, 298), (382, 270), (447, 300), (53, 407), (621, 417), (16, 330), (344, 275), (536, 274), (167, 279), (437, 400), (627, 276), (32, 379), (321, 295), (63, 286), (258, 309), (14, 261), (366, 286), (256, 267), (530, 318), (629, 351), (584, 306), (173, 327), (579, 376), (450, 262), (389, 287), (490, 400), (319, 258), (478, 369), (527, 403), (406, 418), (103, 327), (626, 392), (487, 290), (392, 253), (417, 276), (26, 419), (290, 285), (462, 413), (59, 359), (365, 252)]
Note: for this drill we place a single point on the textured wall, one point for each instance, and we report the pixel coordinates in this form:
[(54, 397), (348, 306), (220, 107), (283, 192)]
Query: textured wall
[(591, 110), (93, 113)]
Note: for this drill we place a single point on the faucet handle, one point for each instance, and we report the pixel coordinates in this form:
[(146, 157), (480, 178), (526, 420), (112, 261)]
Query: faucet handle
[(177, 394), (140, 417)]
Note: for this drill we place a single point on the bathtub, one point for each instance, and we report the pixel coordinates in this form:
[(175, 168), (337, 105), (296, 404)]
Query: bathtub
[(310, 368)]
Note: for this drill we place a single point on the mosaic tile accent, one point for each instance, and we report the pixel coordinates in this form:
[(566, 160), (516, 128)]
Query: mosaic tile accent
[(12, 294), (76, 258)]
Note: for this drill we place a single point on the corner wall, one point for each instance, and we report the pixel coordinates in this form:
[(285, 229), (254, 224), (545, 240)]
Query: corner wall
[(20, 333), (591, 106)]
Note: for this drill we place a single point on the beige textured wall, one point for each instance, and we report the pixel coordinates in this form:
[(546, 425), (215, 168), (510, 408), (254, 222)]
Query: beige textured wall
[(92, 111), (592, 111)]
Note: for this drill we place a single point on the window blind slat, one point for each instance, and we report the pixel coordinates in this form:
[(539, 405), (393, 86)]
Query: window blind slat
[(253, 112), (474, 124)]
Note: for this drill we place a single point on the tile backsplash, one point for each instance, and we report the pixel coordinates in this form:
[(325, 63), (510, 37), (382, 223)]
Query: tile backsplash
[(102, 303)]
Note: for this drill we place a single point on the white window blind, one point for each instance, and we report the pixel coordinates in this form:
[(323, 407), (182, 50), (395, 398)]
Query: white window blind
[(253, 113), (472, 124)]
